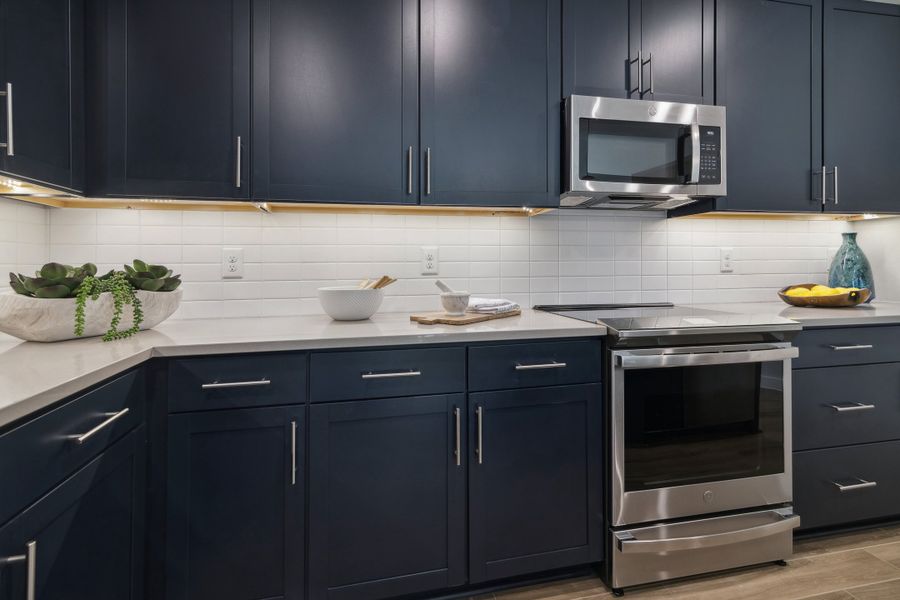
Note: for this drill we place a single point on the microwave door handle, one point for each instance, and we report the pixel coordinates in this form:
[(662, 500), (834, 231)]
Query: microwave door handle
[(662, 361), (695, 153)]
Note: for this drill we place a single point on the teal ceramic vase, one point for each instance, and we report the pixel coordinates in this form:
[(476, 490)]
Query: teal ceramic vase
[(851, 268)]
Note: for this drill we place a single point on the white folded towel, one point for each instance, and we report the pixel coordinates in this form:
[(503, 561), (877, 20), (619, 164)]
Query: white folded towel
[(492, 306)]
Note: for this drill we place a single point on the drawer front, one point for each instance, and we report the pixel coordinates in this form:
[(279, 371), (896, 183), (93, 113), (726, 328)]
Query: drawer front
[(869, 474), (387, 373), (236, 381), (847, 346), (37, 455), (846, 405), (534, 364)]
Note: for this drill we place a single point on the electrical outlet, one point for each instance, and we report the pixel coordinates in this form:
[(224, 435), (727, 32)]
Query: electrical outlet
[(430, 260), (232, 263), (726, 260)]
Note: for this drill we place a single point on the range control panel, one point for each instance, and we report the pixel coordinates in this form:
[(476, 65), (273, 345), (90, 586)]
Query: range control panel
[(710, 155)]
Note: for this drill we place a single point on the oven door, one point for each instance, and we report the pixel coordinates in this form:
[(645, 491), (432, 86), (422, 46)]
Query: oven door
[(699, 430)]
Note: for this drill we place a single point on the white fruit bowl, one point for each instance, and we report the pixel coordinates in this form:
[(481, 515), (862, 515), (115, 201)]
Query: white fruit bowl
[(350, 303)]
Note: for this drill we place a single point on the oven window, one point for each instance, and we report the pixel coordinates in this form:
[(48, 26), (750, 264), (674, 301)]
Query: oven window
[(699, 424), (634, 152)]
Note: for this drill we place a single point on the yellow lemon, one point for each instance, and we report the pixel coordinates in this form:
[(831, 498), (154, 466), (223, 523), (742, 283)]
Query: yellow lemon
[(798, 292), (821, 290)]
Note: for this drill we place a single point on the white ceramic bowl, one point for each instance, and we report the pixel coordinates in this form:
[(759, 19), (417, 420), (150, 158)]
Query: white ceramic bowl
[(350, 303), (455, 303)]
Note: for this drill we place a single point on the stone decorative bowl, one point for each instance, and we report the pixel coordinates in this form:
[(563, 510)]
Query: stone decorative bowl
[(837, 301), (53, 320)]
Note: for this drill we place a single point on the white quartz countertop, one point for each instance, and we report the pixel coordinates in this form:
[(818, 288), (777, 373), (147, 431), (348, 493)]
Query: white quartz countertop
[(34, 375), (877, 313)]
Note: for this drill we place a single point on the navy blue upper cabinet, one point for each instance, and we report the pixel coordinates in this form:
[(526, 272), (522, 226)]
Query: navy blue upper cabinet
[(387, 497), (235, 504), (42, 65), (768, 75), (172, 79), (84, 540), (534, 480), (490, 102), (650, 49), (335, 93), (862, 88)]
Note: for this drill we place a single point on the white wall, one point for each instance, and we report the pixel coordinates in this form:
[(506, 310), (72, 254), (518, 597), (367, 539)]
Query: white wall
[(880, 240), (572, 256), (24, 238)]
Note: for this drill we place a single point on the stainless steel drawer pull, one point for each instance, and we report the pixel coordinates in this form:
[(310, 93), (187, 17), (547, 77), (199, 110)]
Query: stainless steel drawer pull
[(851, 407), (234, 384), (391, 375), (111, 418), (10, 147), (457, 449), (293, 452), (862, 485), (30, 560), (852, 347), (538, 367), (479, 449)]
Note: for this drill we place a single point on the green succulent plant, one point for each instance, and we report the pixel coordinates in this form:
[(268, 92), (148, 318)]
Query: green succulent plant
[(53, 280), (152, 278)]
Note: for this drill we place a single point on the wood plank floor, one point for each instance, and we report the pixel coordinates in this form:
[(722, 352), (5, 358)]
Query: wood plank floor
[(854, 566)]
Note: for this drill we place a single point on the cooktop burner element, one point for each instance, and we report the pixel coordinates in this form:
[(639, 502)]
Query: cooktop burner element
[(650, 321)]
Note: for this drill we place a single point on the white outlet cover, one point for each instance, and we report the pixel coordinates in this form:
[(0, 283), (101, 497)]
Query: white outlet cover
[(232, 263), (726, 260), (430, 260)]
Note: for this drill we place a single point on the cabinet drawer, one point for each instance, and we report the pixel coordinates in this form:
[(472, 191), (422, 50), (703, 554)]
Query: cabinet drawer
[(846, 405), (869, 474), (37, 455), (847, 346), (386, 373), (535, 364), (218, 382)]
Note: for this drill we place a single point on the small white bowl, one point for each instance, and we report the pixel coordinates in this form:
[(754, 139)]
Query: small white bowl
[(455, 303), (350, 303)]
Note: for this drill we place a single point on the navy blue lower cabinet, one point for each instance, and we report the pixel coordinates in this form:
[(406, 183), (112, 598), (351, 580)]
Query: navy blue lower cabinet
[(83, 540), (387, 497), (235, 505), (534, 480)]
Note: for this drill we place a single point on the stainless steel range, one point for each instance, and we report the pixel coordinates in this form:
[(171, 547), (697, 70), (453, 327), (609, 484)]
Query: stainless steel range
[(699, 424)]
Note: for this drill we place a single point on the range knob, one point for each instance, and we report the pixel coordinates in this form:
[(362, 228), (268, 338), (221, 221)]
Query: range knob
[(708, 496)]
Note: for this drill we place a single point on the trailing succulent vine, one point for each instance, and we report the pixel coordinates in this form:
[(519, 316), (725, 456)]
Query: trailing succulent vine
[(55, 280)]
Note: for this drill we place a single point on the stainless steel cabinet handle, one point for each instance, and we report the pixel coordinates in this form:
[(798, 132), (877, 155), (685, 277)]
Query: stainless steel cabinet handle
[(391, 374), (427, 171), (648, 62), (234, 384), (30, 560), (550, 365), (111, 418), (10, 148), (640, 61), (409, 171), (836, 197), (457, 451), (851, 407), (293, 452), (852, 347), (237, 164), (824, 185), (479, 419), (862, 485)]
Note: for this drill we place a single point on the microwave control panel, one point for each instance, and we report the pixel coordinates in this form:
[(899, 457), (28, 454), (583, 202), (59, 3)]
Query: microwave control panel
[(710, 155)]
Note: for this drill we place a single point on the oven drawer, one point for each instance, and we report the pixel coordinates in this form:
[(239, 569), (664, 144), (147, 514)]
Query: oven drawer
[(667, 551), (846, 346), (387, 373), (511, 366), (846, 405), (843, 485)]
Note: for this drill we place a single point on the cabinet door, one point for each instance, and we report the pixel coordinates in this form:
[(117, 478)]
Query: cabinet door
[(768, 76), (387, 497), (336, 100), (177, 98), (596, 48), (677, 47), (534, 480), (490, 102), (84, 539), (42, 62), (235, 505), (862, 87)]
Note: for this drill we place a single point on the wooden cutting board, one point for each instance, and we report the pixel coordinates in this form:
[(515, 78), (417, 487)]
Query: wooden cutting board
[(439, 318)]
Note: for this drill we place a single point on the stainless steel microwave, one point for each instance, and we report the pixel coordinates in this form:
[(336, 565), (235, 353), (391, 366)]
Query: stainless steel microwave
[(642, 155)]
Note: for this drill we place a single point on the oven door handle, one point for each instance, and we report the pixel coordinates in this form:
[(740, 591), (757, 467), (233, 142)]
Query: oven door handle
[(702, 359), (697, 542)]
